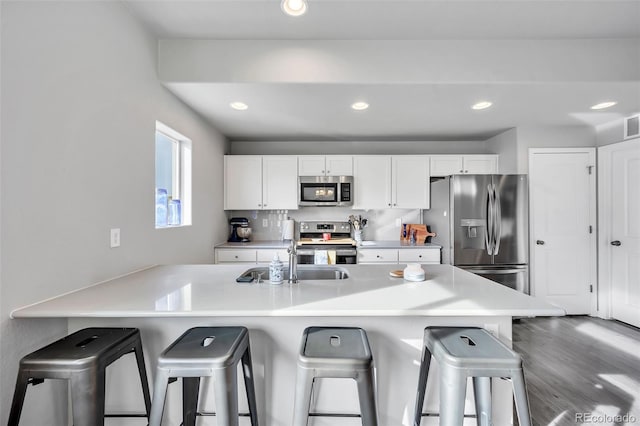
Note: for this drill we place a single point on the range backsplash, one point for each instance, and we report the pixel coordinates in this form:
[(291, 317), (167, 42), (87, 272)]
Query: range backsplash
[(381, 223)]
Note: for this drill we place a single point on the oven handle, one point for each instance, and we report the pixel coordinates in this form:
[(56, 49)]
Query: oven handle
[(306, 252)]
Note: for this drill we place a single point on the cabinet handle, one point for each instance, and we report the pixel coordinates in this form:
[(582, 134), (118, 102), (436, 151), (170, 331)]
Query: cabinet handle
[(616, 243), (540, 242), (420, 256), (466, 171), (389, 204), (264, 205), (378, 256), (461, 171), (236, 256), (323, 171), (394, 204)]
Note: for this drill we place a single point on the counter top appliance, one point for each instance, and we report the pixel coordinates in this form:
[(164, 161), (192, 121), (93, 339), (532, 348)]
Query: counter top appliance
[(325, 191), (240, 230), (319, 241)]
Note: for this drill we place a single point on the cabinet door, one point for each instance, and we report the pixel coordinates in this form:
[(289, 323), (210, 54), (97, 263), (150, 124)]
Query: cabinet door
[(279, 182), (311, 165), (242, 182), (445, 165), (480, 164), (372, 182), (339, 165), (377, 256), (235, 256), (410, 183)]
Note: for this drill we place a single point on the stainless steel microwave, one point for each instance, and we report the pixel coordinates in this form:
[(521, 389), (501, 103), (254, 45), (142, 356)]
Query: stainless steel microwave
[(325, 191)]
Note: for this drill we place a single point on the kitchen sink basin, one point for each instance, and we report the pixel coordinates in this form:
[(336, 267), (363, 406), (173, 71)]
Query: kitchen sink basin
[(310, 272)]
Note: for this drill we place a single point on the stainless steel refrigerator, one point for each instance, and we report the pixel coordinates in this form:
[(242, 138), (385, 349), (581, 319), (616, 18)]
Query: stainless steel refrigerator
[(482, 222)]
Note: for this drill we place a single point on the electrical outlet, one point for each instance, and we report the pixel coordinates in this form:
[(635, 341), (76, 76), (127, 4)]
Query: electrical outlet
[(115, 237), (398, 222), (265, 223)]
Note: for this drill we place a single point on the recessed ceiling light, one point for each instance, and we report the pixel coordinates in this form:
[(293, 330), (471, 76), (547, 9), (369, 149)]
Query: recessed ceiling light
[(603, 105), (482, 105), (239, 106), (359, 106), (294, 7)]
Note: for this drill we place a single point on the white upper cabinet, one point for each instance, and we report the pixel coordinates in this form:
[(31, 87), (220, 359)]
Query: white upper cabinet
[(445, 165), (254, 182), (371, 182), (410, 182), (241, 173), (325, 165), (280, 182), (382, 181)]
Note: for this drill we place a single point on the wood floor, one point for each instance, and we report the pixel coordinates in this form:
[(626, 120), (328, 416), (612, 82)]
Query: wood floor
[(579, 365)]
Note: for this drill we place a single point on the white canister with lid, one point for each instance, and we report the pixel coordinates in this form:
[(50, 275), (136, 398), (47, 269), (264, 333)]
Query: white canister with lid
[(276, 270), (414, 272)]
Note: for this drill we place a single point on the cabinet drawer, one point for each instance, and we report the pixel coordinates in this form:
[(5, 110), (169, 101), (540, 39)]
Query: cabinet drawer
[(240, 255), (378, 256), (266, 255), (419, 255)]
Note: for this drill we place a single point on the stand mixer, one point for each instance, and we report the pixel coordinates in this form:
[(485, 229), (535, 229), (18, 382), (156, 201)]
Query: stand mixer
[(240, 230)]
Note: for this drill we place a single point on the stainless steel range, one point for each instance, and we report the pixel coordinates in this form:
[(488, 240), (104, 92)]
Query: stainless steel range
[(326, 243)]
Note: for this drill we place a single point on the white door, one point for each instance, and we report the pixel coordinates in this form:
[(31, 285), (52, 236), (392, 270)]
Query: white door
[(372, 182), (620, 241), (243, 182), (562, 220), (311, 165), (410, 182), (279, 182), (339, 165), (445, 165)]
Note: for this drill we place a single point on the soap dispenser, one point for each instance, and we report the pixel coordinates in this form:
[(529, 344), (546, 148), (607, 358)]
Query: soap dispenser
[(276, 270)]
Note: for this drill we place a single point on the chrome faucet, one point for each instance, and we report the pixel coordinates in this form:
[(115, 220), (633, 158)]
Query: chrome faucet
[(293, 262)]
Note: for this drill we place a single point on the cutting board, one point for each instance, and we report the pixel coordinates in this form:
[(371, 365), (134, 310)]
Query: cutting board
[(421, 232)]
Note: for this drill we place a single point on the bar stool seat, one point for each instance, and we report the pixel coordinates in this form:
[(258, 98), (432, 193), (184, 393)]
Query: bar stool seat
[(206, 352), (81, 358), (464, 352), (338, 352)]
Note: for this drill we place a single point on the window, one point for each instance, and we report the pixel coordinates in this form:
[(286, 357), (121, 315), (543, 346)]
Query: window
[(173, 178)]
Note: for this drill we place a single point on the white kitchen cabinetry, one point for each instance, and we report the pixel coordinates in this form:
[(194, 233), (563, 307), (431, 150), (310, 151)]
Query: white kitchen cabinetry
[(254, 182), (382, 181), (445, 165), (325, 165), (395, 256), (249, 255)]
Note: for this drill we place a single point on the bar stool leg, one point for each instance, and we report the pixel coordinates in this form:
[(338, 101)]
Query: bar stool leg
[(482, 396), (366, 395), (247, 370), (87, 398), (159, 395), (302, 400), (521, 397), (142, 370), (422, 384), (453, 388), (190, 392), (22, 381), (225, 387)]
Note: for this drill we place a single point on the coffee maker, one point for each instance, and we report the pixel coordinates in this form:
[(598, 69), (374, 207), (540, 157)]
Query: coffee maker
[(240, 231)]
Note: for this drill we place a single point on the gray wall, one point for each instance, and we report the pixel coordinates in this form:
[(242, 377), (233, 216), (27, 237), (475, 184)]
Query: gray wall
[(357, 147), (80, 97), (506, 145)]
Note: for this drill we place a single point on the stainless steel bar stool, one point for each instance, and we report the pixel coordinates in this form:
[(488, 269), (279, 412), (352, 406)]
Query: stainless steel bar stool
[(206, 352), (81, 358), (469, 352), (339, 352)]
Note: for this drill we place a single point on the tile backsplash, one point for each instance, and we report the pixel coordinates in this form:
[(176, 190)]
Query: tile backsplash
[(381, 223)]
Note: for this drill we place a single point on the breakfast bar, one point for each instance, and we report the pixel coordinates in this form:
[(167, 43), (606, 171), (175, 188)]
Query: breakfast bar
[(164, 301)]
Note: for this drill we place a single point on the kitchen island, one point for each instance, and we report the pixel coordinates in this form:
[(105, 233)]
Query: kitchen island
[(163, 301)]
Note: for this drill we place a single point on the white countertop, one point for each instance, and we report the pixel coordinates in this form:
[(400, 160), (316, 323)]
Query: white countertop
[(211, 290), (396, 244)]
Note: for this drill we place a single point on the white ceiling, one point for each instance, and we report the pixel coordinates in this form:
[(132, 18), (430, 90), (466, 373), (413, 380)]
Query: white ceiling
[(399, 109)]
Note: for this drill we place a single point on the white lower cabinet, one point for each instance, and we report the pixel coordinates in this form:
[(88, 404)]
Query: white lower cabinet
[(395, 256), (249, 255)]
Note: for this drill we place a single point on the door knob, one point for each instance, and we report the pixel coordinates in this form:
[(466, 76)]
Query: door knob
[(616, 243), (540, 242)]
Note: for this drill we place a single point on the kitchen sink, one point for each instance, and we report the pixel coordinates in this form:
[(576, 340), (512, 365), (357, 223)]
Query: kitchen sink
[(310, 272)]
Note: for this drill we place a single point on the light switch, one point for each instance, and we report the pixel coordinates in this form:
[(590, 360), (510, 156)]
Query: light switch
[(115, 237)]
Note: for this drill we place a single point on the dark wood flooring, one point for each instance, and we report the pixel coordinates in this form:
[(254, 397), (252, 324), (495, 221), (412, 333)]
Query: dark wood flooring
[(579, 364)]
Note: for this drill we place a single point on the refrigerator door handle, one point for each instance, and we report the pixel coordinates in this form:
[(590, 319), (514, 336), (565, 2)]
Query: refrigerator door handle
[(497, 227), (488, 234)]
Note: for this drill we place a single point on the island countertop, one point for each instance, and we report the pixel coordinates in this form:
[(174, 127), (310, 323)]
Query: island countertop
[(211, 291)]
